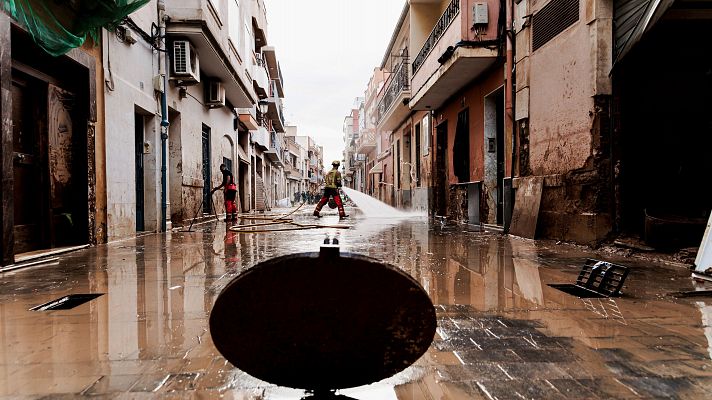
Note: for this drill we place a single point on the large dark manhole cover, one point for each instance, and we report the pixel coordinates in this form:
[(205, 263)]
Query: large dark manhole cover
[(323, 322)]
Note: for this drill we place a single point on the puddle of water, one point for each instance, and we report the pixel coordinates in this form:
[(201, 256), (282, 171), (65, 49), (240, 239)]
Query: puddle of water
[(501, 330)]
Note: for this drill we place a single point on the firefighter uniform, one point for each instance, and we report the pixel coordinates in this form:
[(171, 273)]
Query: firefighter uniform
[(332, 183)]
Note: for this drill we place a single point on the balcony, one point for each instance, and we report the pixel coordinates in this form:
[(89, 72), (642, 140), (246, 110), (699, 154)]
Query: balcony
[(248, 117), (274, 153), (454, 53), (207, 29), (366, 142), (260, 138), (274, 109), (392, 107), (259, 23), (275, 72), (261, 82), (292, 172)]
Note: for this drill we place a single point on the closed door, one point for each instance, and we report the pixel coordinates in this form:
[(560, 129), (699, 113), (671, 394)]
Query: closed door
[(30, 227), (206, 171), (441, 169), (140, 184)]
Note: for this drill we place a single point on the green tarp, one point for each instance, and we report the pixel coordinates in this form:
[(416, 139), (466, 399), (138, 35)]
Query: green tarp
[(61, 25)]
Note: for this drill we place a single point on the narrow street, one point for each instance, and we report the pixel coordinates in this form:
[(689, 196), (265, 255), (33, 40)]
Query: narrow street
[(502, 332), (517, 190)]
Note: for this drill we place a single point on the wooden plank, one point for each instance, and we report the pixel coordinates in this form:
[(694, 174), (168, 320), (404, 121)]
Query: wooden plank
[(703, 261), (526, 207), (7, 239)]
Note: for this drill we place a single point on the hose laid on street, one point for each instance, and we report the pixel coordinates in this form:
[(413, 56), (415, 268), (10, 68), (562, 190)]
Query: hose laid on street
[(294, 227)]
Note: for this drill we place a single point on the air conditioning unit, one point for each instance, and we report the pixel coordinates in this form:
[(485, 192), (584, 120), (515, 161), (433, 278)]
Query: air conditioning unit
[(185, 62), (214, 94)]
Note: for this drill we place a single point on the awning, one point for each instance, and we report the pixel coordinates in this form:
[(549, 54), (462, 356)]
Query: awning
[(632, 20), (377, 169)]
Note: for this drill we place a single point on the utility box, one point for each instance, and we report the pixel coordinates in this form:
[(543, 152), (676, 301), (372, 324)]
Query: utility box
[(479, 14)]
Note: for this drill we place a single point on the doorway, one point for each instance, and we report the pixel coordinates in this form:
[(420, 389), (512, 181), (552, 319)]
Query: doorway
[(207, 208), (140, 183), (663, 133), (243, 178), (49, 163), (417, 155), (441, 178), (461, 147), (29, 153), (492, 210), (407, 168)]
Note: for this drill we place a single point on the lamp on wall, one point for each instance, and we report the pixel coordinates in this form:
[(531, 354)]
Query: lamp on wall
[(264, 106)]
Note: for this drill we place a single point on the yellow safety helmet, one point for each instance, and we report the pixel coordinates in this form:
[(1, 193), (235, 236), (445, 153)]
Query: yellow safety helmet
[(336, 163)]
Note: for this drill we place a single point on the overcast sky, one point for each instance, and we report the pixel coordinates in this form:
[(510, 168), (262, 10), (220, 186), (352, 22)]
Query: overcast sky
[(328, 50)]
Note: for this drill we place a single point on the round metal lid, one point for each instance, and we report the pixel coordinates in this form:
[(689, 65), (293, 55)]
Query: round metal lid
[(322, 322)]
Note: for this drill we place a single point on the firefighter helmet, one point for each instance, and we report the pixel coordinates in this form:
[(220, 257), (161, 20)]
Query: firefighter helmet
[(336, 163)]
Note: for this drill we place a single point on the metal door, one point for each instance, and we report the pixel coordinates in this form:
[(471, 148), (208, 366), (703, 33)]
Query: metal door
[(139, 135), (207, 204), (500, 157), (441, 170)]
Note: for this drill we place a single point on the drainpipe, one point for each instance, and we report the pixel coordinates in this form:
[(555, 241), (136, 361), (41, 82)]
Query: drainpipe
[(163, 71), (509, 95)]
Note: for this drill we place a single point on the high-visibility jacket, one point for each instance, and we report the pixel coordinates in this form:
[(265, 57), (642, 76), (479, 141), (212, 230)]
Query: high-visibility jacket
[(333, 179)]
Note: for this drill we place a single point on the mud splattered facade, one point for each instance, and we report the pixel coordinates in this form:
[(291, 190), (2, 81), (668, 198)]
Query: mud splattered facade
[(577, 96), (91, 152), (51, 123)]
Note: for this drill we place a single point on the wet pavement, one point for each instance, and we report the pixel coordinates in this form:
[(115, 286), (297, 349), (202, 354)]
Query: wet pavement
[(502, 332)]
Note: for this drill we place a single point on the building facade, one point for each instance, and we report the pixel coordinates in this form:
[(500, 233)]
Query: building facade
[(573, 102), (52, 116), (97, 147)]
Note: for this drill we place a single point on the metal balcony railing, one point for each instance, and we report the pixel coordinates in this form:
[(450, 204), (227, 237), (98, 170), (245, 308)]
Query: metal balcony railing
[(368, 138), (441, 26), (399, 82), (276, 144)]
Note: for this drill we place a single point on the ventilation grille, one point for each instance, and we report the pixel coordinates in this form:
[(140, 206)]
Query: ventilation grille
[(180, 57), (552, 20)]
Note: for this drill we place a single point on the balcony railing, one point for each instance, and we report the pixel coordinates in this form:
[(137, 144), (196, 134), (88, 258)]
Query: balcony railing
[(368, 139), (400, 82), (441, 26), (276, 144)]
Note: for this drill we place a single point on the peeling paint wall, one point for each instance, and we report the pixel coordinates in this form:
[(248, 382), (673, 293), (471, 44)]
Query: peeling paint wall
[(472, 98), (563, 110), (222, 139)]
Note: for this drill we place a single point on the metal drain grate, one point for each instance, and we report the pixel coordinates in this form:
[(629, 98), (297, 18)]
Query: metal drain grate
[(578, 291), (67, 302), (597, 279)]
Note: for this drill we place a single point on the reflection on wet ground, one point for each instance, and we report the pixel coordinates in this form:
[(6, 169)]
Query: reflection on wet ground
[(502, 332)]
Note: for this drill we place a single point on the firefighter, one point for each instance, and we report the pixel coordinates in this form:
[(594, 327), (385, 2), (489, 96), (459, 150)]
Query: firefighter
[(332, 183), (229, 193)]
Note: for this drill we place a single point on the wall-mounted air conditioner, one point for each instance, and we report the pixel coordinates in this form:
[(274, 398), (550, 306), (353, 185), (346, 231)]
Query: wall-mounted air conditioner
[(186, 66), (214, 94)]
